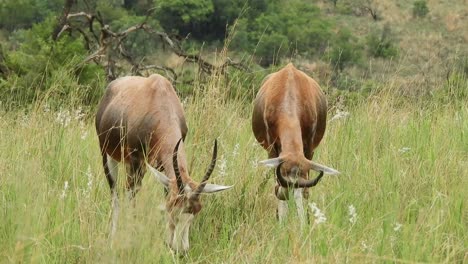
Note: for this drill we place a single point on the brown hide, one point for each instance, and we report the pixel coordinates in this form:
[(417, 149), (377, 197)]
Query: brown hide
[(289, 118), (141, 116)]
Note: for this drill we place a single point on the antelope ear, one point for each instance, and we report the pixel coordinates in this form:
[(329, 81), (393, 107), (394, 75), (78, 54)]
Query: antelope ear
[(319, 167), (159, 176), (271, 163), (212, 188)]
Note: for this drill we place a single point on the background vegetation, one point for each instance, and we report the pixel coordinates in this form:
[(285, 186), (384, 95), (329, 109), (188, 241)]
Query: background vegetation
[(353, 47), (395, 76)]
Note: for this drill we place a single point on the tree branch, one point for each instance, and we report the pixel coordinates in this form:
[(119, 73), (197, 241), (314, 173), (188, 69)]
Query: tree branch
[(109, 40)]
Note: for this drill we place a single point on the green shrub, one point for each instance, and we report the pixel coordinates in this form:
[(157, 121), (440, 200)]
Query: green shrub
[(17, 14), (420, 8), (345, 8), (138, 43), (345, 50), (454, 90), (272, 47), (40, 66), (287, 28), (346, 82), (382, 44), (184, 17)]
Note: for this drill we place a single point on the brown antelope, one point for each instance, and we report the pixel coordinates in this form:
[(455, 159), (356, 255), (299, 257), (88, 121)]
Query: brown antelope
[(289, 120), (140, 122)]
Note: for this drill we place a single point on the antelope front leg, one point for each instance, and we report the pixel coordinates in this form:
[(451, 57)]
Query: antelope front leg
[(282, 210), (112, 171), (298, 199), (115, 213)]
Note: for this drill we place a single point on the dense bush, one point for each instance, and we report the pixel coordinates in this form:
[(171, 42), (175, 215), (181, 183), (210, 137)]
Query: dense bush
[(420, 8), (264, 32), (184, 17), (286, 28), (139, 43), (345, 51), (40, 66), (382, 44)]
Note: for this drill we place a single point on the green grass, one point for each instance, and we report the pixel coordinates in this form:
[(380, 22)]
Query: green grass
[(424, 190)]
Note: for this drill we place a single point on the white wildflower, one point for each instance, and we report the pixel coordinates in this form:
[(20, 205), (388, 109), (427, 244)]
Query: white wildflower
[(235, 152), (352, 214), (89, 175), (24, 120), (364, 246), (254, 144), (222, 166), (64, 191), (318, 214), (46, 108), (79, 114), (339, 115), (404, 150), (393, 240), (63, 118), (397, 227), (255, 163), (84, 134)]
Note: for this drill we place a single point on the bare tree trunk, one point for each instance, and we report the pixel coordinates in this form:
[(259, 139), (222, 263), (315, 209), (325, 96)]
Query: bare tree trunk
[(107, 48), (62, 20)]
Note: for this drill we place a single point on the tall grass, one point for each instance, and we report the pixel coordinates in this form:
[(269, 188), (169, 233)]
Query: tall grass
[(404, 171)]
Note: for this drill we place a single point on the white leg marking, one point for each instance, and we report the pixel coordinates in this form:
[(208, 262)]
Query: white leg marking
[(114, 173), (282, 210), (181, 234), (170, 227), (299, 205), (112, 164), (115, 213)]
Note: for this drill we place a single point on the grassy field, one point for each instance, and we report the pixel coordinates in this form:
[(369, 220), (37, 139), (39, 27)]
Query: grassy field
[(401, 196)]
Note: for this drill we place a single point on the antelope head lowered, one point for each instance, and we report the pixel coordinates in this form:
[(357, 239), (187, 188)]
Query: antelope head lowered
[(289, 120), (140, 122)]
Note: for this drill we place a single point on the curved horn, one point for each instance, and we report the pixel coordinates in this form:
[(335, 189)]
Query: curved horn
[(175, 164), (204, 181), (300, 183)]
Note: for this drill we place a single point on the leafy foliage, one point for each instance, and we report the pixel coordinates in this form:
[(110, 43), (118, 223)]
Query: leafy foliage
[(265, 33), (39, 63), (346, 50), (382, 44), (420, 8), (286, 28), (184, 17)]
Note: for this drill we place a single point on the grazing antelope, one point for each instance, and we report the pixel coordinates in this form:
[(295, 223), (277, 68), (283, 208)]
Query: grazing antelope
[(142, 118), (289, 120)]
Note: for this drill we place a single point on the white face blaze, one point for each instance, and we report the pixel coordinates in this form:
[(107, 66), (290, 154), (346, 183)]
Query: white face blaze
[(178, 221), (178, 231), (209, 188)]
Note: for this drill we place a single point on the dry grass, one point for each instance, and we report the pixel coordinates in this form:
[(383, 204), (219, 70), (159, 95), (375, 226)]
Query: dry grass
[(404, 169)]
